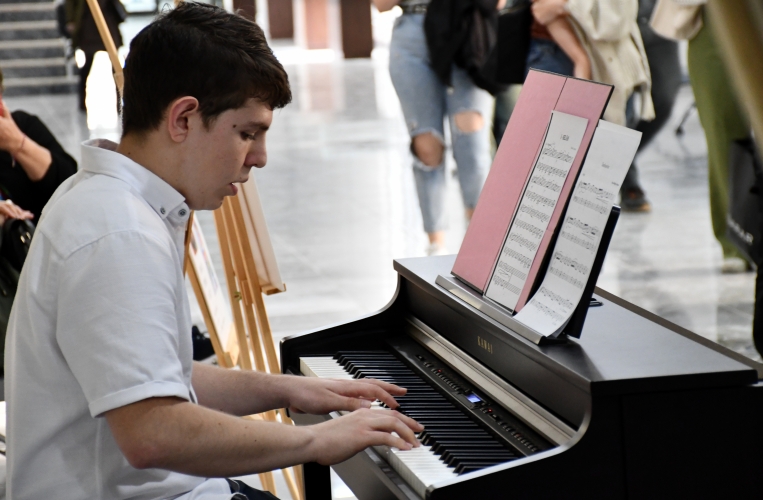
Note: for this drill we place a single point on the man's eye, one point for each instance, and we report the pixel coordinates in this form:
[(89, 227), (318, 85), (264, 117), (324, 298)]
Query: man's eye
[(248, 137)]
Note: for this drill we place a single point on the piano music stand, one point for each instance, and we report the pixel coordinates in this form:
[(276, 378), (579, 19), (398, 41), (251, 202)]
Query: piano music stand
[(502, 315)]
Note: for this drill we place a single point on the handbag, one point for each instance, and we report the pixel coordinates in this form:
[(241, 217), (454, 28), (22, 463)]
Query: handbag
[(676, 20), (744, 220), (16, 238), (513, 43), (120, 10), (9, 281)]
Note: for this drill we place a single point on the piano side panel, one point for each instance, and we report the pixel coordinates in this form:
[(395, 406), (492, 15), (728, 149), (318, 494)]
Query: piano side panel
[(699, 444), (488, 346), (592, 466), (362, 334)]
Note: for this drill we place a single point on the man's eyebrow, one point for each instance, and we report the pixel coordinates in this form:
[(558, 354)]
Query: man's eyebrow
[(257, 124)]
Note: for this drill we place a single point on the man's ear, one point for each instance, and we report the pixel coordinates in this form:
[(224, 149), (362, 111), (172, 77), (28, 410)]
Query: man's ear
[(179, 117)]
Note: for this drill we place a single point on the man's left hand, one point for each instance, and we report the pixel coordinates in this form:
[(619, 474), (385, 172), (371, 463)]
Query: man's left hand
[(321, 396)]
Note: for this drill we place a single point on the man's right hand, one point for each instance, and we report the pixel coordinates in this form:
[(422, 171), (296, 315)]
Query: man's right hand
[(339, 439)]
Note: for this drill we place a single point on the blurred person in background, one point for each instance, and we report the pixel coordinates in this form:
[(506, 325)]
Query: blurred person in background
[(426, 103), (32, 163), (85, 35), (723, 122), (608, 31), (665, 68)]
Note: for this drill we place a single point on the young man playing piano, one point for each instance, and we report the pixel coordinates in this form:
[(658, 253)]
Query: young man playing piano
[(104, 400)]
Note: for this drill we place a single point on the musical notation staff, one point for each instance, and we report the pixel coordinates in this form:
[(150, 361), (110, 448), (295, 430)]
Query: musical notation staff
[(548, 184), (566, 277), (548, 169), (505, 284), (570, 262), (588, 245), (511, 270), (596, 207), (534, 230), (599, 192), (523, 242), (556, 298), (552, 152), (522, 259), (583, 226), (533, 213)]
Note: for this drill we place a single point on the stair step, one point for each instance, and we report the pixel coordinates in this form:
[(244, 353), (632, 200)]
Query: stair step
[(29, 30), (31, 49), (38, 81), (36, 71), (26, 63), (22, 12), (40, 85), (25, 1), (27, 6)]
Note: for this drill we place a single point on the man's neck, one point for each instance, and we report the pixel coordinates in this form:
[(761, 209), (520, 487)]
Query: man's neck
[(150, 153)]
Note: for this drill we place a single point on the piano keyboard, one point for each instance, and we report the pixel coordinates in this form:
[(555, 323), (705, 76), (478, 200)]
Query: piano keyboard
[(452, 443)]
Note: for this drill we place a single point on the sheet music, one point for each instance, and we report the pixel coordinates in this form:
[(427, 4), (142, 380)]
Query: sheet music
[(542, 191), (609, 157)]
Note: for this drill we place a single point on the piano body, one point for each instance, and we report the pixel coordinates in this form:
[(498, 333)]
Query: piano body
[(635, 408)]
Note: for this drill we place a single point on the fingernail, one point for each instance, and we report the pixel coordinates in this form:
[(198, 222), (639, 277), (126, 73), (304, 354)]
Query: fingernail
[(365, 404), (408, 446)]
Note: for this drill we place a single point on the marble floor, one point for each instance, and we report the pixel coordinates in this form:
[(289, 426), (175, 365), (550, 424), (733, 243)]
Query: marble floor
[(340, 203)]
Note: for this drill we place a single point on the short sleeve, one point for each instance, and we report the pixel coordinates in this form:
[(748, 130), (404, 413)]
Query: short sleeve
[(117, 323)]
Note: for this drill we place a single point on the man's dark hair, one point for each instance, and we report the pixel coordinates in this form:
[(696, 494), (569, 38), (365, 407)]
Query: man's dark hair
[(203, 51)]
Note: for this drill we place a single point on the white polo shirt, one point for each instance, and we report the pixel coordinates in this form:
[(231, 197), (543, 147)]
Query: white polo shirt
[(100, 321)]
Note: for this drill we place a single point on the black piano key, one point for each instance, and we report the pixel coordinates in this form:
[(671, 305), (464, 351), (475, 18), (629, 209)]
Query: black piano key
[(454, 459), (463, 468), (440, 446)]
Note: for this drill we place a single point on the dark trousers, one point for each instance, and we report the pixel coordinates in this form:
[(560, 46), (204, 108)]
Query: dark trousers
[(245, 492), (665, 67), (84, 72)]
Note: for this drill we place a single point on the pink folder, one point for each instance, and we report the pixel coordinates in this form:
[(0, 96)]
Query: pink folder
[(541, 93)]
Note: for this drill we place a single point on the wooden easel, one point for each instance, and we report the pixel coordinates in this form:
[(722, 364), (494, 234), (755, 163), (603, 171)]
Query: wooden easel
[(253, 337), (250, 316)]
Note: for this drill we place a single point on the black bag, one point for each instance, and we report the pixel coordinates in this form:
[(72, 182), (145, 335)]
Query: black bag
[(9, 280), (121, 11), (744, 221), (16, 238), (513, 43), (61, 20), (462, 32)]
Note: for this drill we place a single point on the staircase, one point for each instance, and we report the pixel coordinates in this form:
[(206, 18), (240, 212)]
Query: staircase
[(32, 53)]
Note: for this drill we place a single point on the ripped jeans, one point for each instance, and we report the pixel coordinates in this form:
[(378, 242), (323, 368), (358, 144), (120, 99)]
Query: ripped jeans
[(426, 101)]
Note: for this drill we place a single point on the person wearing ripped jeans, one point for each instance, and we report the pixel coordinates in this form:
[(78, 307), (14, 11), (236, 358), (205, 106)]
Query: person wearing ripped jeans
[(426, 102)]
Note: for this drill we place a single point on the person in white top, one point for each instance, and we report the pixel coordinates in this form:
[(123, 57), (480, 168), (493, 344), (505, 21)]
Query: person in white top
[(104, 400)]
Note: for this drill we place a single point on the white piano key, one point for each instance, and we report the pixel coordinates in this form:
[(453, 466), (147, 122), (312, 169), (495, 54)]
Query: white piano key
[(419, 467)]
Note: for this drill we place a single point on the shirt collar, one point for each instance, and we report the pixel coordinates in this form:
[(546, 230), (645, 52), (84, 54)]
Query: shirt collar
[(99, 156)]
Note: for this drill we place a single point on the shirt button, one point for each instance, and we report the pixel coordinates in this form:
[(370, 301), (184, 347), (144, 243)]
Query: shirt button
[(162, 211), (182, 212)]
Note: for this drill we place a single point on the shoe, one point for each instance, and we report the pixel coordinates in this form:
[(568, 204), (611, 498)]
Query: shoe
[(634, 200), (735, 265), (436, 249)]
